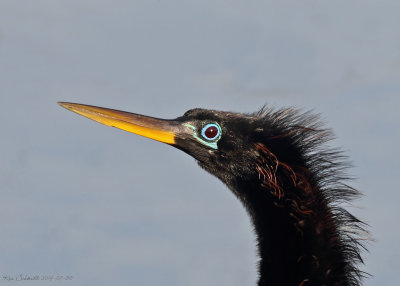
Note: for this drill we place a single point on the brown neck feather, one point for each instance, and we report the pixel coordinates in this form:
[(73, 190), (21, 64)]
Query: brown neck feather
[(298, 233)]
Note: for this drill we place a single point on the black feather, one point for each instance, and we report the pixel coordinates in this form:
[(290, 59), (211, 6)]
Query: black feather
[(293, 185)]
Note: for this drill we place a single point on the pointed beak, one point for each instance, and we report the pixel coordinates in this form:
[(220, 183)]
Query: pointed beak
[(158, 129)]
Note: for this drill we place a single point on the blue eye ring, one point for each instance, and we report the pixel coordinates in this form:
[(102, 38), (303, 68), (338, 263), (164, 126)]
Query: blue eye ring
[(208, 132)]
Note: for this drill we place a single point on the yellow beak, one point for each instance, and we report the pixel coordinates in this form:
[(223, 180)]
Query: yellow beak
[(154, 128)]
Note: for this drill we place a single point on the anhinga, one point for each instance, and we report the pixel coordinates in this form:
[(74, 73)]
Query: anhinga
[(292, 186)]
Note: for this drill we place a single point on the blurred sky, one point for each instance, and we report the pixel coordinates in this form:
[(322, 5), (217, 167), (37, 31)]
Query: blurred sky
[(111, 208)]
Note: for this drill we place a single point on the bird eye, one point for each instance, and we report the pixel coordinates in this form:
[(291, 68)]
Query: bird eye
[(211, 131)]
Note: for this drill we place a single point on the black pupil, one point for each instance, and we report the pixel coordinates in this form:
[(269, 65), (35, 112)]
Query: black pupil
[(211, 132)]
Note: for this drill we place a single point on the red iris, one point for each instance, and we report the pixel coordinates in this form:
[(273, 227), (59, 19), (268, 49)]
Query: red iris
[(211, 132)]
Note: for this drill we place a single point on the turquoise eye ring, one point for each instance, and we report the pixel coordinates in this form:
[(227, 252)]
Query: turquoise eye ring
[(211, 132)]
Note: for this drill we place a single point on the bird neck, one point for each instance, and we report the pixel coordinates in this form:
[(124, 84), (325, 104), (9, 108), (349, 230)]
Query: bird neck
[(298, 237)]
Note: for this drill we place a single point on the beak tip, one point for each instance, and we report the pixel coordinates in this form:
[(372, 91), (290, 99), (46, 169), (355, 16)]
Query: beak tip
[(66, 105)]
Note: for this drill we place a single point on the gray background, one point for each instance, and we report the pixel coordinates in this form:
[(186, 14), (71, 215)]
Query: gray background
[(109, 207)]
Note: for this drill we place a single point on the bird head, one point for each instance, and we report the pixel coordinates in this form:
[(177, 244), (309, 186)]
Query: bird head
[(218, 140)]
